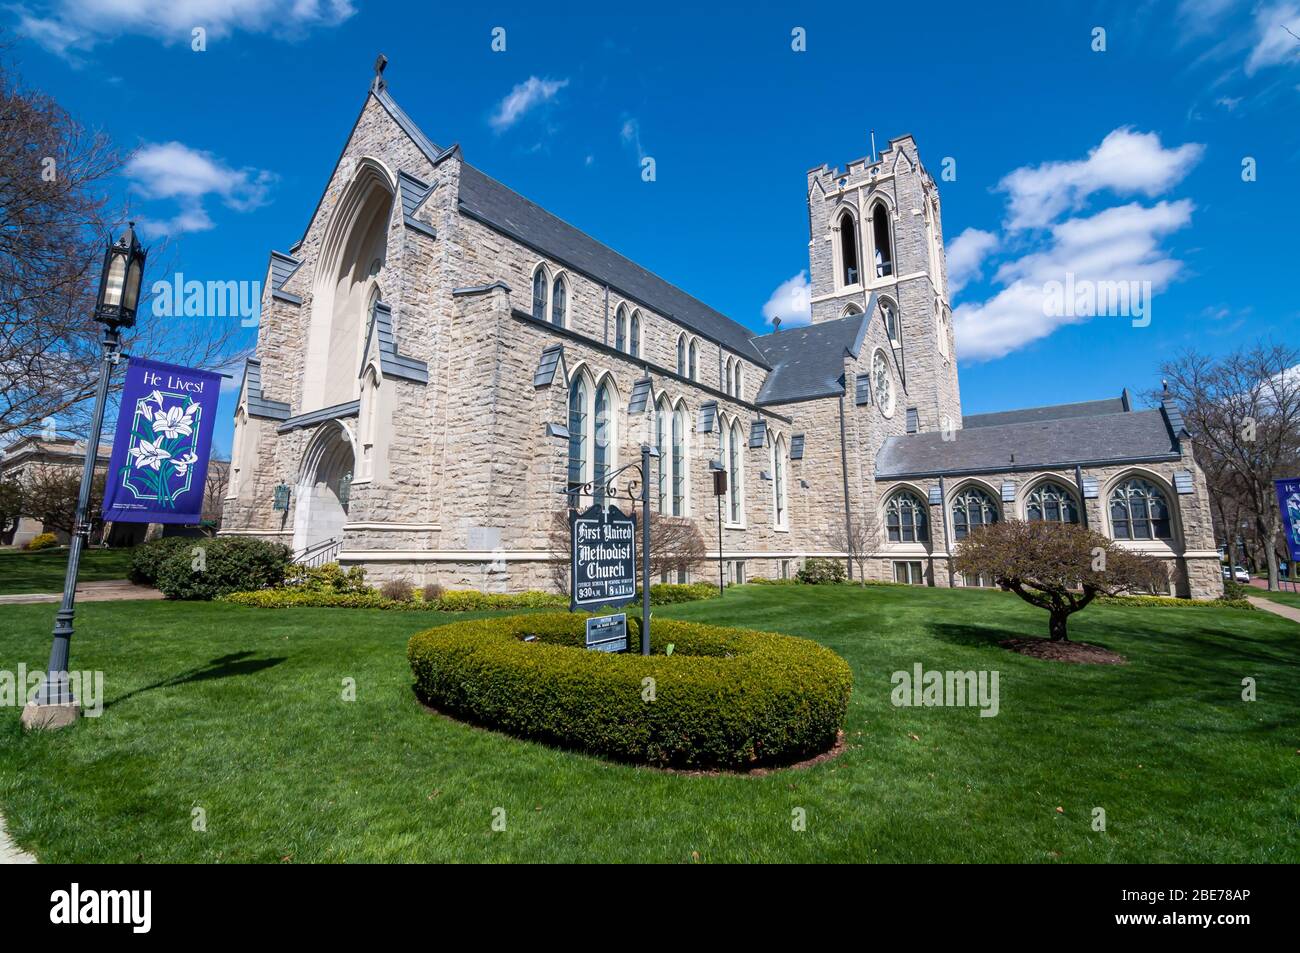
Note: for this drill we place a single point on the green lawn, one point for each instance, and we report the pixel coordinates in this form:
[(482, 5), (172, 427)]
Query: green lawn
[(238, 712), (42, 571), (1287, 598)]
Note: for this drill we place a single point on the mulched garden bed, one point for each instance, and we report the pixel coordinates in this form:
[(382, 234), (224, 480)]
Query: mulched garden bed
[(1077, 653)]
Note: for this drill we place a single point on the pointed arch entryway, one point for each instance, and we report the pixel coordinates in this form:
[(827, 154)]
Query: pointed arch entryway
[(324, 486)]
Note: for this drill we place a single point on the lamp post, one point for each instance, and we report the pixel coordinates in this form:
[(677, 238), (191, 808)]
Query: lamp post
[(119, 295)]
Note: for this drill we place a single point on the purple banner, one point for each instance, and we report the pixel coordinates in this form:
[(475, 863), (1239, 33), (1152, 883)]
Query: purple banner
[(161, 444), (1288, 498)]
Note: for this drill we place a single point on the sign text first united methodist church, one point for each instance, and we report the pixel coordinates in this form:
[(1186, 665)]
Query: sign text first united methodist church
[(604, 558)]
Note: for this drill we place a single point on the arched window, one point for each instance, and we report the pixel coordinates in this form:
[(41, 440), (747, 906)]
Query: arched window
[(539, 293), (1138, 510), (941, 328), (1053, 503), (905, 519), (681, 355), (693, 369), (559, 302), (778, 482), (882, 384), (850, 310), (663, 422), (727, 378), (578, 395), (880, 232), (634, 335), (849, 271), (679, 461), (889, 314), (620, 329), (734, 442), (603, 459), (971, 509), (739, 390)]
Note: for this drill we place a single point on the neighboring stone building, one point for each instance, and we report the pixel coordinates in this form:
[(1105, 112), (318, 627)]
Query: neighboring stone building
[(442, 365)]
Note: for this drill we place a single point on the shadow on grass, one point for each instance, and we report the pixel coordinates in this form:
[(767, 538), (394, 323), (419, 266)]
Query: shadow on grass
[(226, 666)]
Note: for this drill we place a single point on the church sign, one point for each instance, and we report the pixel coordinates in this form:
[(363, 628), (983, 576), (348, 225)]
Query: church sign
[(607, 633), (161, 444), (603, 558)]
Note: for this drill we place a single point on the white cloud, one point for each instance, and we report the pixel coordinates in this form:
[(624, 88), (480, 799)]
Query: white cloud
[(631, 136), (1125, 163), (965, 256), (791, 301), (172, 170), (63, 26), (1276, 28), (531, 92), (1117, 244)]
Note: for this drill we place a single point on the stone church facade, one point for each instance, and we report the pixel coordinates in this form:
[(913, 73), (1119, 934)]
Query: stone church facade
[(442, 366)]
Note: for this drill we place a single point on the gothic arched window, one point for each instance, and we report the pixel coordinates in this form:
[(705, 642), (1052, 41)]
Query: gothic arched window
[(850, 273), (1139, 510), (735, 442), (739, 390), (620, 329), (663, 421), (681, 355), (540, 283), (603, 460), (634, 335), (1052, 503), (905, 519), (778, 482), (727, 378), (880, 233), (889, 314), (882, 384), (559, 302), (693, 368), (971, 509), (578, 394), (679, 461)]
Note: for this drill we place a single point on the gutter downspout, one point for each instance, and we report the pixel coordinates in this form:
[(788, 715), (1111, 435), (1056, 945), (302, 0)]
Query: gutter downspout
[(844, 470), (1083, 503), (947, 530)]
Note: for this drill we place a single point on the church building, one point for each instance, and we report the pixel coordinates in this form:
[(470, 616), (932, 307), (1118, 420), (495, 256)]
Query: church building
[(442, 366)]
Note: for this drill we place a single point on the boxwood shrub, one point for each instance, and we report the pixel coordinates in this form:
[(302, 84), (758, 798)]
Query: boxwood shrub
[(147, 558), (229, 564), (725, 698), (819, 571)]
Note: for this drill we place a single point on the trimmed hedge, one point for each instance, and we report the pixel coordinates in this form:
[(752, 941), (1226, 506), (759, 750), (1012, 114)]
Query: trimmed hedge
[(451, 600), (725, 698), (1172, 602), (227, 564), (147, 558)]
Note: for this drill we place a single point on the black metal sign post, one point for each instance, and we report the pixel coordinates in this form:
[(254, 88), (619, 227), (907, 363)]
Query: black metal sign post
[(602, 539), (645, 548), (719, 491)]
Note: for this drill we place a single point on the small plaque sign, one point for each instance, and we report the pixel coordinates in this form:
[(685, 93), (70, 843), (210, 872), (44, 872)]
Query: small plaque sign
[(604, 558), (607, 633)]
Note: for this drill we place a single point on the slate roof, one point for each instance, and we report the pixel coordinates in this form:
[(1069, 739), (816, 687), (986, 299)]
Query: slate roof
[(808, 361), (1042, 441), (1087, 408), (484, 198)]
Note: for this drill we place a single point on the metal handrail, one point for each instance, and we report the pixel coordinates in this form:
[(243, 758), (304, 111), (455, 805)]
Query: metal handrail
[(318, 554)]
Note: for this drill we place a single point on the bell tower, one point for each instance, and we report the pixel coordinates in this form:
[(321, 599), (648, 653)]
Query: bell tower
[(875, 228)]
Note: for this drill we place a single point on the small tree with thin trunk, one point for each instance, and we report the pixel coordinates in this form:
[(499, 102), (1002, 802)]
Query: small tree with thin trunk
[(859, 540), (1060, 567)]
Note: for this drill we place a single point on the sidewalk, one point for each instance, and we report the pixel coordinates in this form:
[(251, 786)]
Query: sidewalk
[(110, 590), (1286, 612), (9, 852)]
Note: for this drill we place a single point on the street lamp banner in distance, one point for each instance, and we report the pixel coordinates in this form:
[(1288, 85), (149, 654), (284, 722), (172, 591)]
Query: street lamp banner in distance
[(161, 444)]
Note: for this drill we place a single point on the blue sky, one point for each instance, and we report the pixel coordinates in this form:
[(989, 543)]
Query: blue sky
[(1121, 164)]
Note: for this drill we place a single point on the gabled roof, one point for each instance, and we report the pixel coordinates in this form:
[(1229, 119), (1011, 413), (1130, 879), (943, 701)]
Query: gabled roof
[(484, 198), (1040, 442), (808, 361), (1087, 408)]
